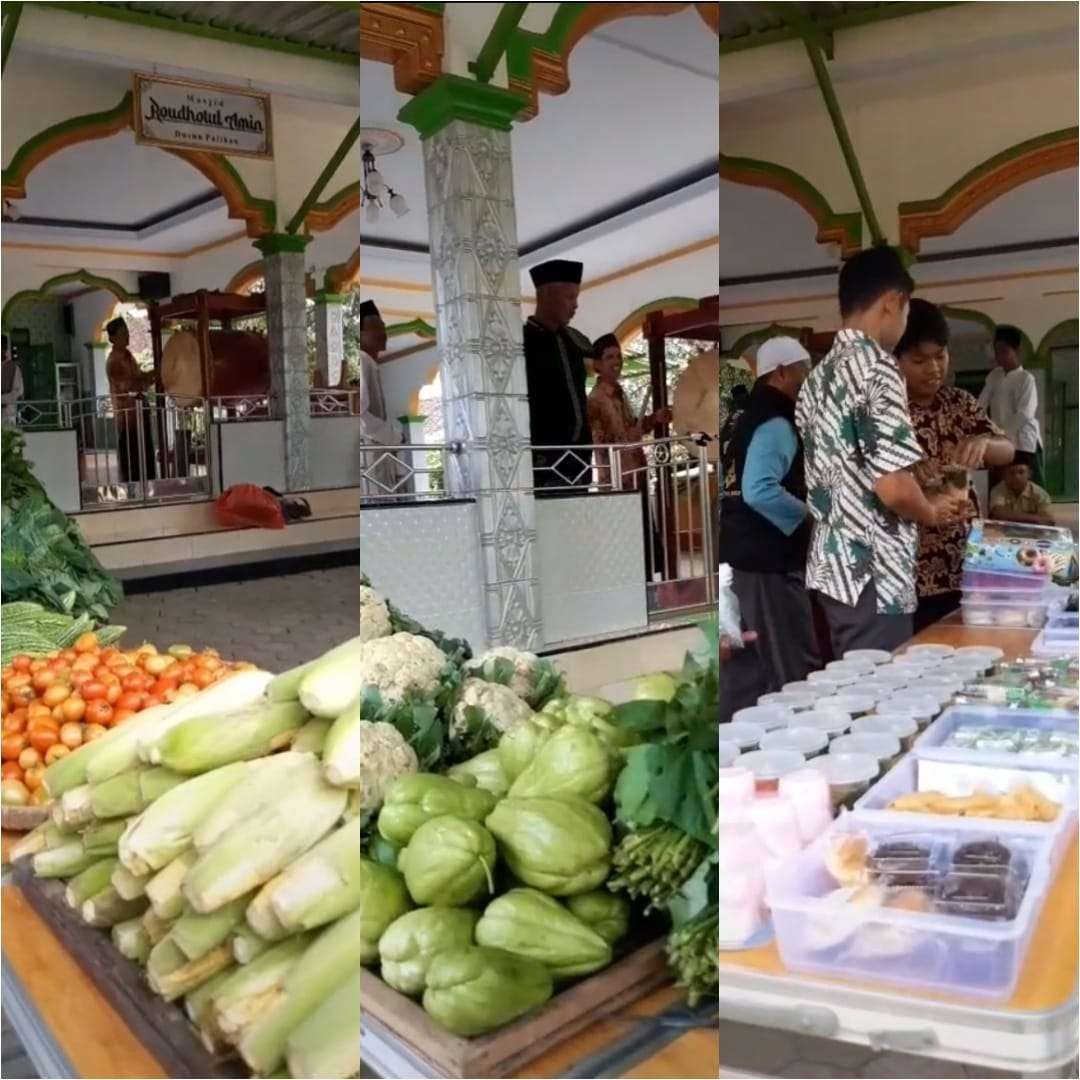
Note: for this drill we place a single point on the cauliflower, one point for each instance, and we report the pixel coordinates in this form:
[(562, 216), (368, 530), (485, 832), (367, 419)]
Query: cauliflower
[(402, 666), (533, 680), (384, 757), (374, 615), (497, 706)]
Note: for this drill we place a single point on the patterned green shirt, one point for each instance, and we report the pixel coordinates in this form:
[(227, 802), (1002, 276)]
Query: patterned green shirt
[(856, 428)]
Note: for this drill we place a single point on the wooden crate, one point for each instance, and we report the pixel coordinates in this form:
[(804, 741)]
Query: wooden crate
[(160, 1026), (508, 1049)]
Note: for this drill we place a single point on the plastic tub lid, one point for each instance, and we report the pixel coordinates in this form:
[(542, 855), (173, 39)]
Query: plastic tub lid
[(930, 650), (766, 717), (881, 747), (902, 725), (828, 678), (804, 687), (729, 753), (791, 699), (771, 764), (989, 652), (743, 735), (924, 706), (831, 721), (849, 668), (847, 768), (806, 740), (872, 656), (851, 703)]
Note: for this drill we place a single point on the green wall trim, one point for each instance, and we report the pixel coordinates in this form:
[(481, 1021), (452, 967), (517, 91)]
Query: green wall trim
[(826, 26), (119, 112), (324, 297), (519, 48), (452, 97), (93, 281), (1027, 350), (498, 39), (276, 243), (266, 209), (12, 14), (328, 205), (1042, 353), (1051, 138), (417, 326), (437, 8), (348, 141), (407, 419), (833, 227), (184, 25)]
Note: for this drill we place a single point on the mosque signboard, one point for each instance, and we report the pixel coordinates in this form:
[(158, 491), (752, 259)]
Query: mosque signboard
[(200, 116)]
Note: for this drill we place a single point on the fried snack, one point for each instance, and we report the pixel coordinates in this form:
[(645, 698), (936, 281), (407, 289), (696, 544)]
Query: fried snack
[(1022, 803), (846, 859)]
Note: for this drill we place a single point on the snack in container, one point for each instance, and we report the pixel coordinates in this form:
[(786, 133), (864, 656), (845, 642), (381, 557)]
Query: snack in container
[(767, 766), (729, 754), (832, 721), (766, 717), (808, 741), (884, 749), (903, 725), (744, 735), (849, 775)]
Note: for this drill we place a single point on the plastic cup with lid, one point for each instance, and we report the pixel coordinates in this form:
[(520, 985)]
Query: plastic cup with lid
[(790, 700), (828, 679), (832, 721), (987, 656), (729, 753), (849, 668), (808, 741), (849, 775), (802, 687), (868, 656), (744, 735), (882, 747), (903, 725), (768, 766), (766, 717), (930, 649), (850, 701), (924, 707)]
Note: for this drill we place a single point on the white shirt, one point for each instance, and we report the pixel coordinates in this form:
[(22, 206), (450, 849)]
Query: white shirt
[(1012, 400), (11, 398)]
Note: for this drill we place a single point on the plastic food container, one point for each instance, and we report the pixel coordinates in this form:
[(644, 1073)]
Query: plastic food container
[(766, 717), (791, 699), (768, 766), (870, 656), (939, 652), (854, 704), (1016, 548), (830, 678), (832, 721), (807, 741), (884, 749), (977, 580), (923, 706), (950, 936), (1008, 737), (1011, 614), (745, 736), (849, 776), (903, 725), (729, 754), (849, 668)]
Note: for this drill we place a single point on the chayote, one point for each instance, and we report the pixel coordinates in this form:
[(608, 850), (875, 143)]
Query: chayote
[(484, 771), (562, 846), (593, 713), (412, 800), (519, 745), (384, 899), (473, 990), (383, 852), (606, 913), (532, 924), (411, 942), (574, 761), (449, 862)]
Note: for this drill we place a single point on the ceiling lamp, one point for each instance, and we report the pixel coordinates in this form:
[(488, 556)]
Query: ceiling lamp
[(377, 193)]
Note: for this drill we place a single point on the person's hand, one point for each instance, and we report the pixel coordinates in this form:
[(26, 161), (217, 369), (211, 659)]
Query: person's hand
[(727, 649), (971, 453), (949, 507), (661, 416)]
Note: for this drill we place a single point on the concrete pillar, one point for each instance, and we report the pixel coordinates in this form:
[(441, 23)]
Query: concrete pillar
[(98, 384), (413, 426), (329, 338), (477, 294), (286, 330)]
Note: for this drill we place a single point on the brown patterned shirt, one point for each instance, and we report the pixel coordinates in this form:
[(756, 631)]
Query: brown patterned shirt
[(953, 416)]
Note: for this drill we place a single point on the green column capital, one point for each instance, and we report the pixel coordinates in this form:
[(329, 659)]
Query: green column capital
[(452, 97), (324, 296), (276, 243)]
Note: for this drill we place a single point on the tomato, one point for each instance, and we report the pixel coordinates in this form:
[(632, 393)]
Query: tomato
[(74, 708), (85, 662), (151, 700), (135, 682), (87, 643), (21, 662), (93, 691), (71, 735), (36, 665), (32, 777), (209, 662), (14, 793), (37, 710), (44, 678), (11, 770), (12, 745), (14, 724), (147, 647), (114, 693), (58, 664), (202, 679), (124, 671), (56, 694), (22, 694), (19, 714), (99, 712), (39, 796), (131, 701), (41, 738), (187, 689), (56, 752), (29, 758), (70, 655), (123, 714), (5, 704), (92, 732), (81, 678), (171, 695), (157, 665)]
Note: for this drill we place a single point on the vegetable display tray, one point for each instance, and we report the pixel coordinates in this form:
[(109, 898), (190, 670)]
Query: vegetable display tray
[(502, 1052)]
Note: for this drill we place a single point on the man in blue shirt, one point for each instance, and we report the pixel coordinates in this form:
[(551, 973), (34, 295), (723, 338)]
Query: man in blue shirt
[(764, 523)]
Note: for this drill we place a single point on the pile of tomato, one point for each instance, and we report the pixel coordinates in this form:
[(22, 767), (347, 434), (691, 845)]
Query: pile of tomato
[(53, 704)]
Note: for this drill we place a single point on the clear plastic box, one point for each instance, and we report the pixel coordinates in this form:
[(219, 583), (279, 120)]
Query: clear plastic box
[(944, 740), (1016, 548), (991, 581), (819, 931), (1008, 615)]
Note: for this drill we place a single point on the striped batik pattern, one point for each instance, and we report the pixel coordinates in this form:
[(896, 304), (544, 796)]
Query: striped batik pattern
[(856, 428)]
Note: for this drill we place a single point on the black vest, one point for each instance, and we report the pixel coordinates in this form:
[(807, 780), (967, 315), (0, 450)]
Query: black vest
[(748, 541)]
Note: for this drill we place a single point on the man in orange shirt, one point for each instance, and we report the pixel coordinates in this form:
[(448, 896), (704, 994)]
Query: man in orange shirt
[(127, 383)]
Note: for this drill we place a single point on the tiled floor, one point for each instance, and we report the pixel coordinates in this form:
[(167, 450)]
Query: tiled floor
[(275, 622)]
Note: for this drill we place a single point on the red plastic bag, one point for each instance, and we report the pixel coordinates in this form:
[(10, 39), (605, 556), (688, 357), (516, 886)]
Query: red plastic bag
[(247, 505)]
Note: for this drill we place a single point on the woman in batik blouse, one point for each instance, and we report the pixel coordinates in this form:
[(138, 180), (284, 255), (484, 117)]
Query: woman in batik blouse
[(956, 435)]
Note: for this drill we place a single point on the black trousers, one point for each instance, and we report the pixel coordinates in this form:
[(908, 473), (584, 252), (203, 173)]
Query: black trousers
[(861, 627), (933, 609)]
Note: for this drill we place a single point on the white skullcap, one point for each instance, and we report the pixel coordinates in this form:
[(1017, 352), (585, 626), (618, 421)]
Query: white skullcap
[(778, 352)]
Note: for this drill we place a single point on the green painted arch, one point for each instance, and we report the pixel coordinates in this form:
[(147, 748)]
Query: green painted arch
[(635, 321), (93, 281), (416, 326), (833, 227), (756, 337), (1042, 353), (1027, 350)]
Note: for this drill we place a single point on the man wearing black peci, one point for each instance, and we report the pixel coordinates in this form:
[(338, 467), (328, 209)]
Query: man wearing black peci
[(555, 371)]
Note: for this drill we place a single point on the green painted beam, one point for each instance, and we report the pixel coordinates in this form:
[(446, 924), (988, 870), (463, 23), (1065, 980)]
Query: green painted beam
[(829, 25), (12, 14), (332, 166), (123, 14), (498, 39)]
